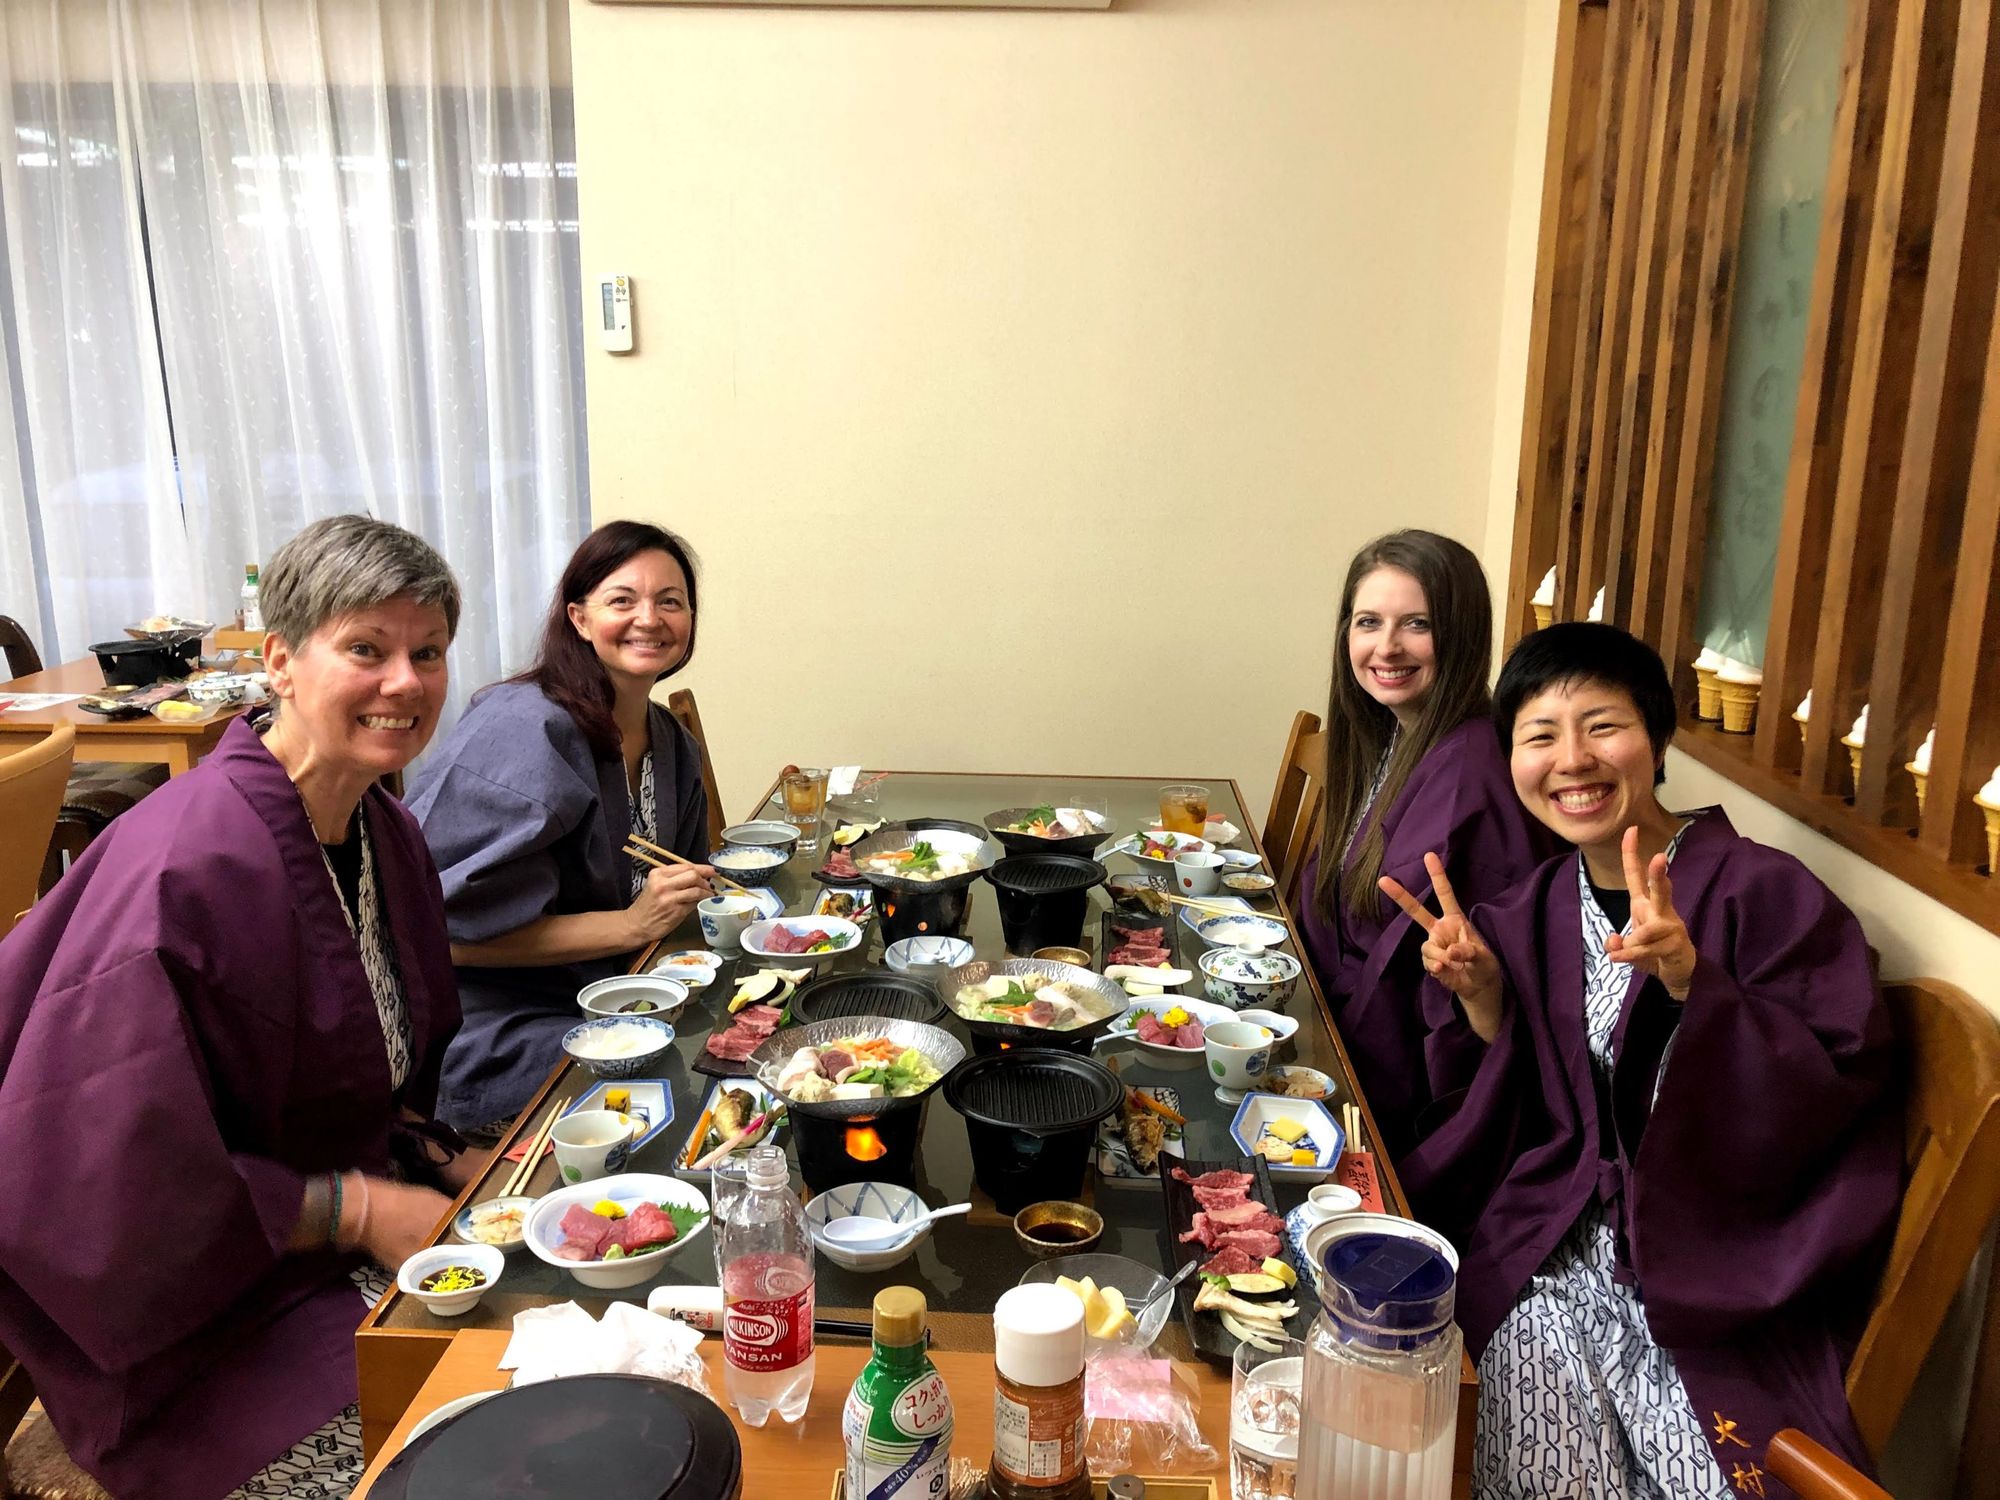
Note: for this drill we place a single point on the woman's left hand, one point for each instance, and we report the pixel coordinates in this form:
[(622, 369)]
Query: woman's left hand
[(1658, 943)]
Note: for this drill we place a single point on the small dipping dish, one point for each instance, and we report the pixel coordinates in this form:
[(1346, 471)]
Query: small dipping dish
[(482, 1261), (1056, 1228), (1248, 883), (1064, 956), (507, 1218)]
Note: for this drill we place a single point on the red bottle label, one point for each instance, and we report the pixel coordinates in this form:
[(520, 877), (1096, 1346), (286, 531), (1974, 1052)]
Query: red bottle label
[(773, 1334)]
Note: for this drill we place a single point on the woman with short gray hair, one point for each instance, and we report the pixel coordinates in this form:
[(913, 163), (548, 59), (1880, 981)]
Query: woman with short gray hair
[(245, 987)]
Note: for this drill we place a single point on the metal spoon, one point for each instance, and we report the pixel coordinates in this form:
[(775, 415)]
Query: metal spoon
[(1179, 1276), (859, 1232)]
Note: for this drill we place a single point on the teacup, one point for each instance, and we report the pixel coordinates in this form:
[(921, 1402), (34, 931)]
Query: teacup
[(1331, 1199), (1198, 874), (723, 919), (591, 1143), (1239, 1055)]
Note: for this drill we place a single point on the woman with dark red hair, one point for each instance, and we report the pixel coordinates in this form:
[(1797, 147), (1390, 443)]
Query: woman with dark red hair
[(528, 804)]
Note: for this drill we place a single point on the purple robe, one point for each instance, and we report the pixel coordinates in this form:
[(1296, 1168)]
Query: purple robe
[(1754, 1196), (525, 822), (1459, 804), (186, 1033)]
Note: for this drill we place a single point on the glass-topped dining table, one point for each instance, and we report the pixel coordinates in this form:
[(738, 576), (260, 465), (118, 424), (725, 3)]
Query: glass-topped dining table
[(967, 1262)]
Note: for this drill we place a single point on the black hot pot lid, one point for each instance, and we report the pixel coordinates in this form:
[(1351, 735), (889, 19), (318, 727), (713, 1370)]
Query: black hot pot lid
[(608, 1437), (1046, 874)]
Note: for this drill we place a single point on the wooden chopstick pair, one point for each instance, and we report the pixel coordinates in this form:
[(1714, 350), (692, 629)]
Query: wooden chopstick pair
[(1351, 1118), (1212, 908), (660, 858), (517, 1180)]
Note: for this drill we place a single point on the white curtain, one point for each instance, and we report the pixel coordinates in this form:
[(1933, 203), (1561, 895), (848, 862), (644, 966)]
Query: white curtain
[(359, 221)]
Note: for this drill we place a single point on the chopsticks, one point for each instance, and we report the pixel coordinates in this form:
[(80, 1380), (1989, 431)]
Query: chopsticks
[(639, 848), (517, 1180), (1350, 1116), (1212, 908)]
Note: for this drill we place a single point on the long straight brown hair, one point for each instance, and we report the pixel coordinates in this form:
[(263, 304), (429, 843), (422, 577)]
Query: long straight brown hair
[(1358, 729), (566, 667)]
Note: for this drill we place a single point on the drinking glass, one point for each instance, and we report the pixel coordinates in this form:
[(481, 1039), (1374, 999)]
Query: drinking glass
[(1184, 809), (1265, 1389), (805, 798)]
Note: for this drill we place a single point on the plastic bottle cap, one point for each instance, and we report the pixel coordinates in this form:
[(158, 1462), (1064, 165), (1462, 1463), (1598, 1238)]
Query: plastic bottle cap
[(900, 1312), (1038, 1335)]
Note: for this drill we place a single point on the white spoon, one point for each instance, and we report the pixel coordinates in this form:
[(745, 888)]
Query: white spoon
[(859, 1232)]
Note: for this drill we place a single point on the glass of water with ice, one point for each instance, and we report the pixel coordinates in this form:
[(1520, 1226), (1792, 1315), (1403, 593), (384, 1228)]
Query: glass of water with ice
[(1265, 1390)]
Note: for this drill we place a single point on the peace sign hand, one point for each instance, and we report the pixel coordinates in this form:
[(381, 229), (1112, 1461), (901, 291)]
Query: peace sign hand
[(1658, 943), (1454, 953)]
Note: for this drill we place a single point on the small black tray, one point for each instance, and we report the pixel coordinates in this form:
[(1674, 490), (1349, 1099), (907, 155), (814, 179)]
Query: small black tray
[(1210, 1339), (707, 1062), (1108, 941)]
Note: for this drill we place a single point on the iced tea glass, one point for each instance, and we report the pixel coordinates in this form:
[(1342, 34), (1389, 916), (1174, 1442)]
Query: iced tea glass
[(1266, 1391), (805, 798), (1184, 809)]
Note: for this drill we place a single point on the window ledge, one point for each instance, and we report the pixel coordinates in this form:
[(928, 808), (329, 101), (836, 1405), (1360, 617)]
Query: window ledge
[(1969, 892)]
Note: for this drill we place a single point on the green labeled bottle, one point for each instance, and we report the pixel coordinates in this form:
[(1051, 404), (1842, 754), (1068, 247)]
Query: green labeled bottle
[(897, 1421)]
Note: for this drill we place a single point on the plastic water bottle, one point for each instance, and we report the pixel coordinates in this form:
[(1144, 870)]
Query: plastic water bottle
[(253, 612), (767, 1289)]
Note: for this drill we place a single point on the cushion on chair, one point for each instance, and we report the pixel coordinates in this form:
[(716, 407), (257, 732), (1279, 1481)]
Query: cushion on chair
[(38, 1467)]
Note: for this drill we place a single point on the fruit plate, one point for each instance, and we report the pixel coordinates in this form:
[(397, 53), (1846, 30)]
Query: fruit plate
[(1114, 1161), (1205, 1331)]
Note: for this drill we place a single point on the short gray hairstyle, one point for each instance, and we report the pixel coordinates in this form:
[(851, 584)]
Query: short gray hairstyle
[(346, 563)]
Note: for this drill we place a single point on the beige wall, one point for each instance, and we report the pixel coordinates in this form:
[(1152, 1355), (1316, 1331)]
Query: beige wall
[(1026, 379)]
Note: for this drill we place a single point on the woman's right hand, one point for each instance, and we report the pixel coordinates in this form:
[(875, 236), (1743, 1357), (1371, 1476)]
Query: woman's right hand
[(396, 1219), (666, 898), (1454, 953)]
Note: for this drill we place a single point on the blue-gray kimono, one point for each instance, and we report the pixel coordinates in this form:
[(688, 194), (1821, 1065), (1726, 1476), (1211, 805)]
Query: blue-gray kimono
[(525, 822)]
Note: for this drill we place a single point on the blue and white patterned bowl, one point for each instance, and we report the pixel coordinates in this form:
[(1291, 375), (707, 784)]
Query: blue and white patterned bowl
[(1246, 931), (750, 864), (631, 1065), (1242, 977), (869, 1200)]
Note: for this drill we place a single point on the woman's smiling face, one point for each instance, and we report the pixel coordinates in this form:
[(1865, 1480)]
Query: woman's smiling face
[(1390, 648), (1583, 764)]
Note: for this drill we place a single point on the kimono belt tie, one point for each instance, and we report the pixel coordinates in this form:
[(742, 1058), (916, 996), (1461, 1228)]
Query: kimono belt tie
[(1611, 1199)]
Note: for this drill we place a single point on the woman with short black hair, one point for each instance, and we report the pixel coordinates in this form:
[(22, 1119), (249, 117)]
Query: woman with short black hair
[(530, 800), (1666, 1139)]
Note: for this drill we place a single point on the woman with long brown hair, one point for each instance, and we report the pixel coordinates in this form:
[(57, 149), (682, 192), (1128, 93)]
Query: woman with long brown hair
[(529, 802), (1412, 766)]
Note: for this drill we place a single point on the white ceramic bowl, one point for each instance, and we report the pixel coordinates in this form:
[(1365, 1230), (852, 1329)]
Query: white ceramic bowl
[(867, 1200), (545, 1226), (1135, 1280), (1166, 1057), (763, 833), (927, 956), (1247, 930), (577, 1040), (461, 1224), (615, 996), (757, 939), (1184, 843), (1257, 1110), (445, 1413), (693, 967), (1247, 883), (482, 1258)]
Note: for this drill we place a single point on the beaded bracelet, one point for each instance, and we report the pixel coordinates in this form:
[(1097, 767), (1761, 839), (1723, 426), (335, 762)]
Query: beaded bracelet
[(333, 1217)]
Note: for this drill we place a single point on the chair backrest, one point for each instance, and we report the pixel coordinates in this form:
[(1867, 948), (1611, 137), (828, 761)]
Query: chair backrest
[(1951, 1143), (31, 796), (22, 657), (1293, 821), (680, 703), (1814, 1473)]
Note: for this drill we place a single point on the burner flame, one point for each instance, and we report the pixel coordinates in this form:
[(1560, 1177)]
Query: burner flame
[(863, 1144)]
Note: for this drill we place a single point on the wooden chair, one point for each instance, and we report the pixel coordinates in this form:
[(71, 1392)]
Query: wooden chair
[(680, 703), (32, 782), (1293, 821), (17, 648), (1951, 1142), (1815, 1473)]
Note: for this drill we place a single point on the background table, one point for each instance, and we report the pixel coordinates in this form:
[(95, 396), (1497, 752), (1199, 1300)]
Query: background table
[(965, 1265), (145, 738)]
